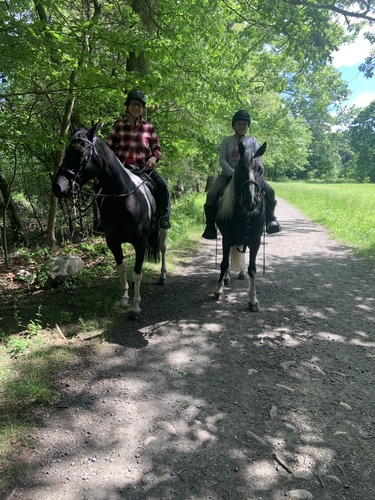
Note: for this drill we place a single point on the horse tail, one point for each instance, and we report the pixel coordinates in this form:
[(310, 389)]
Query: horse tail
[(152, 248), (237, 260)]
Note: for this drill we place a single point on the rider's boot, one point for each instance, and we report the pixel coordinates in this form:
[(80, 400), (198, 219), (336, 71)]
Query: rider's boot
[(272, 226), (210, 233), (164, 221)]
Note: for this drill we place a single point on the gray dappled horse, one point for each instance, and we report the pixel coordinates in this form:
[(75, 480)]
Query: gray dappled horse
[(126, 203)]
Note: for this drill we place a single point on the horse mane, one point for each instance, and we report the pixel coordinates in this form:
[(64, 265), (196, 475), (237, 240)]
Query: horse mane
[(226, 206)]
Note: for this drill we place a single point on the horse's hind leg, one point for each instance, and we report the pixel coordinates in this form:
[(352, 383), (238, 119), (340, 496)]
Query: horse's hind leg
[(124, 283), (238, 263), (135, 310), (242, 273), (227, 277), (163, 250)]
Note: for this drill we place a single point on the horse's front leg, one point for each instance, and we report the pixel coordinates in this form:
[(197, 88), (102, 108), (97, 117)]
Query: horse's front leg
[(163, 234), (136, 310), (224, 266), (121, 268), (252, 295), (116, 249)]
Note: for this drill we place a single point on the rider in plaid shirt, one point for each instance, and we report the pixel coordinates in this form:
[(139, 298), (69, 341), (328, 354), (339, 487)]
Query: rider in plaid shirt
[(135, 142)]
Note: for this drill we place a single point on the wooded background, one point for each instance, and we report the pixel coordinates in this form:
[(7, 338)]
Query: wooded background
[(198, 62)]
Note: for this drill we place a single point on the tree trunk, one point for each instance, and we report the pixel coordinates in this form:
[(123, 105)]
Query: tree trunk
[(15, 220), (69, 106)]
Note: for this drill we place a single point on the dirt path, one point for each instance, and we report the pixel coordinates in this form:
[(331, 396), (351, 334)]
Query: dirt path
[(206, 400)]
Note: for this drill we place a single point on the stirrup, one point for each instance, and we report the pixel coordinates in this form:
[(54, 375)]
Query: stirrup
[(273, 227)]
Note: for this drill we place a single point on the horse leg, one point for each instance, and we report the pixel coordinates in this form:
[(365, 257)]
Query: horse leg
[(227, 277), (121, 268), (237, 263), (135, 310), (252, 295), (224, 266), (116, 250), (163, 233), (242, 274), (253, 301)]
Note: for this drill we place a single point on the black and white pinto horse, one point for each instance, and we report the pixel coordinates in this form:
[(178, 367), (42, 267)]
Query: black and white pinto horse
[(126, 203), (241, 217)]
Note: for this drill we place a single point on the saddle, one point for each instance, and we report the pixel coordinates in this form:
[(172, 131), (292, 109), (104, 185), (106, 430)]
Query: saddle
[(142, 173), (146, 178)]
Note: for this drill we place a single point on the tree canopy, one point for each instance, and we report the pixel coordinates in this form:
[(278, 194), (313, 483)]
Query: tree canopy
[(198, 62)]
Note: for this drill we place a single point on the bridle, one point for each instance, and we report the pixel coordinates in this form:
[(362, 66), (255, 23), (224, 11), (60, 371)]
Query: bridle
[(73, 176), (257, 197)]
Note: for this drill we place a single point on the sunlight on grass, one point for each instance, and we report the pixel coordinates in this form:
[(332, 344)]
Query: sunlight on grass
[(27, 372), (346, 210)]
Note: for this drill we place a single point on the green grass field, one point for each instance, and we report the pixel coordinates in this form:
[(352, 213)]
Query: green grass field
[(346, 210)]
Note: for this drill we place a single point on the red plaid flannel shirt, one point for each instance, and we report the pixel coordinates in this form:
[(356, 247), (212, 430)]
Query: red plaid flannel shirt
[(134, 145)]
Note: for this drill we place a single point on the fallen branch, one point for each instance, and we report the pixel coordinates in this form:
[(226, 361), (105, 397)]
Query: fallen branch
[(60, 332), (282, 463)]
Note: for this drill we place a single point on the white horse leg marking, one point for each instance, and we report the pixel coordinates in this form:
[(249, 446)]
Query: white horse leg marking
[(124, 283), (227, 277), (137, 278), (219, 290), (163, 250), (253, 301)]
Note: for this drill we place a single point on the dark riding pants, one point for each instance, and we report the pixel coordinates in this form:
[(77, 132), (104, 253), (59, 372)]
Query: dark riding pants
[(162, 188)]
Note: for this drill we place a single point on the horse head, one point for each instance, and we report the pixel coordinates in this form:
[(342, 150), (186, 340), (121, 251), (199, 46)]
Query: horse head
[(80, 163), (248, 177)]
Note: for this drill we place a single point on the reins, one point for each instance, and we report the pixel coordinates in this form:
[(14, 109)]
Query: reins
[(102, 195), (99, 194)]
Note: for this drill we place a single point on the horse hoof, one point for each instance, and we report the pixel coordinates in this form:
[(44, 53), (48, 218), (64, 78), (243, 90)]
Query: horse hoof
[(254, 307), (217, 296), (242, 276), (161, 282), (134, 316), (226, 281)]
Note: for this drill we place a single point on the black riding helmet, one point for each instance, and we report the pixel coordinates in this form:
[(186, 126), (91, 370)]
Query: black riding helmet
[(241, 116), (136, 95)]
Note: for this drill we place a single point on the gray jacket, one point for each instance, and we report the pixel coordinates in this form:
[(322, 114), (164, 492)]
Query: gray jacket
[(228, 154)]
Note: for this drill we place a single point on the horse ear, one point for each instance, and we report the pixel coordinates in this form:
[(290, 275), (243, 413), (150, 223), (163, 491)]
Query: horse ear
[(261, 150), (93, 132)]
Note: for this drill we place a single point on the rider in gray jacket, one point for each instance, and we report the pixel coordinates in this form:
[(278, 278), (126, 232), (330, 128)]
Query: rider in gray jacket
[(229, 158)]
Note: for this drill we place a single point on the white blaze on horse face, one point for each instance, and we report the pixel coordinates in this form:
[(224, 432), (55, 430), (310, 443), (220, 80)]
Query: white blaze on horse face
[(252, 187)]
